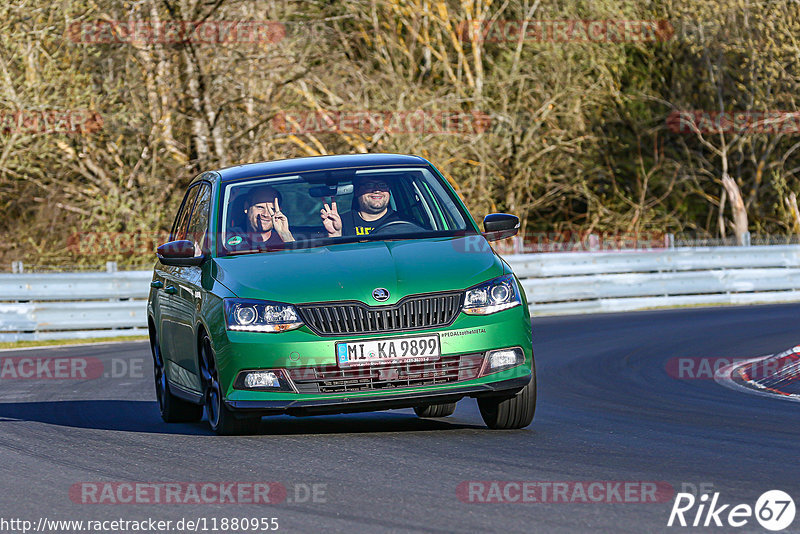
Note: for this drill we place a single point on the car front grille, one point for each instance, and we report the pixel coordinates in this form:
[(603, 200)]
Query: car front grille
[(332, 379), (411, 313)]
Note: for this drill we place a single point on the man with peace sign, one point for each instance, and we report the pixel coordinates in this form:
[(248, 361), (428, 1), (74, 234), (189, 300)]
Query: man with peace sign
[(373, 211), (267, 224)]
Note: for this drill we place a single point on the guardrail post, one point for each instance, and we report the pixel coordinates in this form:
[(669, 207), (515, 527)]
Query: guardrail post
[(669, 240), (746, 239), (518, 245), (594, 242), (17, 267), (111, 266)]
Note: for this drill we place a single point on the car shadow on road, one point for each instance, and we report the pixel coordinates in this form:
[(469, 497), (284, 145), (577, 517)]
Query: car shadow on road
[(142, 416)]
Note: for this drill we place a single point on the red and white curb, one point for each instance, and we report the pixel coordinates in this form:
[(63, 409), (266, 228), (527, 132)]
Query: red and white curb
[(725, 377)]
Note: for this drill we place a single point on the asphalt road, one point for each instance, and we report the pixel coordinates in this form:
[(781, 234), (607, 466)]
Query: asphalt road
[(608, 410)]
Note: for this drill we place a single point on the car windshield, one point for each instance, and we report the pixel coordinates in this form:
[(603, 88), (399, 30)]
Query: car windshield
[(336, 206)]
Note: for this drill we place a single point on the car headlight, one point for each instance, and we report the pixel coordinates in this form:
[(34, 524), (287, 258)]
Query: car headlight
[(249, 315), (493, 296)]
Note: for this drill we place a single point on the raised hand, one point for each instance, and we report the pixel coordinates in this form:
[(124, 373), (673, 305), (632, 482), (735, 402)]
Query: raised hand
[(331, 219), (280, 222)]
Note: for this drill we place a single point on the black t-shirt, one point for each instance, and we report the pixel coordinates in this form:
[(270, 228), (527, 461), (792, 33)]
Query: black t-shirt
[(353, 224)]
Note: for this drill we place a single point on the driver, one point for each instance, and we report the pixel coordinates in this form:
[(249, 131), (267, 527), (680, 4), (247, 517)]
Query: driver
[(373, 211), (267, 225)]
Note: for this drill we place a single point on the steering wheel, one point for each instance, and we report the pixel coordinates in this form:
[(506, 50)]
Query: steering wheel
[(398, 227)]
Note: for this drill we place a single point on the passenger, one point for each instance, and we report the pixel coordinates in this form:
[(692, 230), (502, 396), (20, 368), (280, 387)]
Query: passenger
[(373, 211)]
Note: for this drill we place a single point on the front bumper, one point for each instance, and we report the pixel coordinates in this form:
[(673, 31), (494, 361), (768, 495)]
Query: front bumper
[(368, 403), (469, 334)]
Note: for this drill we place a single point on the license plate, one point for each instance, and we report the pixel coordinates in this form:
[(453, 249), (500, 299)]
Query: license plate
[(399, 350)]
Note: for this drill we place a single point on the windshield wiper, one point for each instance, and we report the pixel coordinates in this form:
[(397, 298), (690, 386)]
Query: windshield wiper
[(342, 240)]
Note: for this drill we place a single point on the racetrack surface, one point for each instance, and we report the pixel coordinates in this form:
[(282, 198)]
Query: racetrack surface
[(608, 411)]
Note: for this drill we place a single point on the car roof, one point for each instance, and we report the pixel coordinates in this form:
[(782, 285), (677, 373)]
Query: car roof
[(317, 163)]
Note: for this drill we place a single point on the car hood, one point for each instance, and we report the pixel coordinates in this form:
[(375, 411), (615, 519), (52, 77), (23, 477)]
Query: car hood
[(351, 271)]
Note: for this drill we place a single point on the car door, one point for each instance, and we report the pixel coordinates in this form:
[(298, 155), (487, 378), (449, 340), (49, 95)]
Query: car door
[(165, 275), (187, 298)]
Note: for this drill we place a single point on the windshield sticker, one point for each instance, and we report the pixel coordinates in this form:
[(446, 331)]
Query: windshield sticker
[(235, 240)]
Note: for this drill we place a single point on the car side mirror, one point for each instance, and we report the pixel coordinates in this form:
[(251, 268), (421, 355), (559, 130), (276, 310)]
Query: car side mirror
[(500, 226), (179, 253)]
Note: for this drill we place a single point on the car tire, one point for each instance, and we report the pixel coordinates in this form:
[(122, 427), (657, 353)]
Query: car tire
[(222, 420), (506, 413), (173, 409), (435, 410)]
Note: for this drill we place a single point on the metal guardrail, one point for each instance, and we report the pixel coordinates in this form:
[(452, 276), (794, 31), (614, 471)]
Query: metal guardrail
[(75, 286), (82, 305), (73, 305), (578, 282)]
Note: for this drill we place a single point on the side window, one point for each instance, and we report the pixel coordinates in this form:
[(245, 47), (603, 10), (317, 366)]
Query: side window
[(446, 206), (425, 202), (181, 225), (198, 223)]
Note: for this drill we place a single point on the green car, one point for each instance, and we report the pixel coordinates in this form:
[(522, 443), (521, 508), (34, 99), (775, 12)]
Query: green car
[(336, 284)]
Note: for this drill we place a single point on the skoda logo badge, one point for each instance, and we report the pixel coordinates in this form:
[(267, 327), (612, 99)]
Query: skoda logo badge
[(380, 294)]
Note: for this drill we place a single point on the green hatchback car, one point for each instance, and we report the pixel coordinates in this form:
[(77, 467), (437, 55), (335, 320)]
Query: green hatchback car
[(336, 284)]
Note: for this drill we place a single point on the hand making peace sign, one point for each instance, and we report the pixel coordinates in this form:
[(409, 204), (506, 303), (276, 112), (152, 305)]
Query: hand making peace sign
[(331, 219), (280, 222)]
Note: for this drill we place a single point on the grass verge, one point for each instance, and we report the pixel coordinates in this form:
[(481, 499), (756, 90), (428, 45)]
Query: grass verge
[(56, 342)]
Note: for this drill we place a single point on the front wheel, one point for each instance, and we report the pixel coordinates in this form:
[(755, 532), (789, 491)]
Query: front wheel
[(223, 421), (435, 410), (172, 408), (506, 413)]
